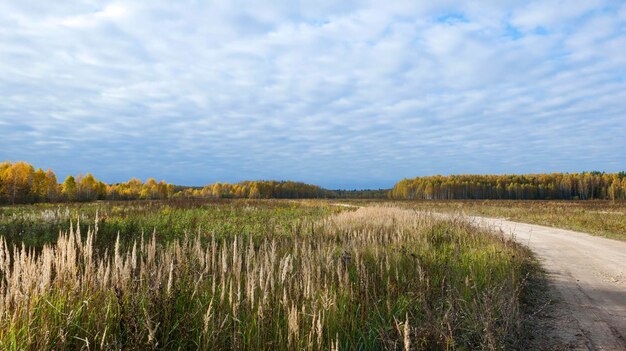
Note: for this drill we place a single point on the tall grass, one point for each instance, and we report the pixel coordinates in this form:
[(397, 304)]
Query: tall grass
[(39, 224), (596, 217), (376, 278)]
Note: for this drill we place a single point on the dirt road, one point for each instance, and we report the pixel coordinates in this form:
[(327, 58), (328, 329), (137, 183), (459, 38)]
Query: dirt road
[(589, 275)]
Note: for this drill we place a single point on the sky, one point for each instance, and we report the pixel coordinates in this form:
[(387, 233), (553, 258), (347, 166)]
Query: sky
[(343, 94)]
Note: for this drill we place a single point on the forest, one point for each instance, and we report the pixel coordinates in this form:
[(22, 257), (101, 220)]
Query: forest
[(554, 186), (20, 182)]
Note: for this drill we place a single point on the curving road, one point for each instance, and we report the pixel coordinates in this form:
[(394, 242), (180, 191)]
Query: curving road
[(589, 275)]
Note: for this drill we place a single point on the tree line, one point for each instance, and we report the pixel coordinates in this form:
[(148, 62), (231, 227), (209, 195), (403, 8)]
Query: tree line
[(264, 189), (555, 186), (20, 182)]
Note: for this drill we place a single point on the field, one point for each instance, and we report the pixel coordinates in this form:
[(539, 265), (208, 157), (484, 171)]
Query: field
[(250, 275), (36, 225), (596, 217)]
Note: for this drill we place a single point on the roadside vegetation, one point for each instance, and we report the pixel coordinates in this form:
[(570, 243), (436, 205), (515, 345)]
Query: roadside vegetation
[(253, 275), (602, 218)]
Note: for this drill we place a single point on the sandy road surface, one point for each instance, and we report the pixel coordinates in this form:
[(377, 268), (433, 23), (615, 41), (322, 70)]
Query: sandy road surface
[(589, 274)]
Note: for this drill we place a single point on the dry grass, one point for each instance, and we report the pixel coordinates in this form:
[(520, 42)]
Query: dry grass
[(375, 278), (602, 218)]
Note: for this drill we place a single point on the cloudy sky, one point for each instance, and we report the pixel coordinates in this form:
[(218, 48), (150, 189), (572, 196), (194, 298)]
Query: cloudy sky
[(344, 94)]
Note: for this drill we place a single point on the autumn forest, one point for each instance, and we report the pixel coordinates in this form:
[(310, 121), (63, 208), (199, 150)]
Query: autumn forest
[(20, 182)]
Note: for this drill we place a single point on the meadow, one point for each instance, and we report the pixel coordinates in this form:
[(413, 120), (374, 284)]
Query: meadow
[(597, 217), (254, 275), (39, 224)]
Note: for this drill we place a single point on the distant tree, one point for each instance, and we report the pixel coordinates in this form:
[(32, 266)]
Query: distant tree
[(52, 186), (101, 190), (87, 187), (149, 189), (70, 189), (39, 189), (17, 181), (254, 192)]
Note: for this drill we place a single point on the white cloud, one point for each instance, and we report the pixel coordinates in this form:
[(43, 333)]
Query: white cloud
[(552, 14), (327, 93), (110, 13)]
